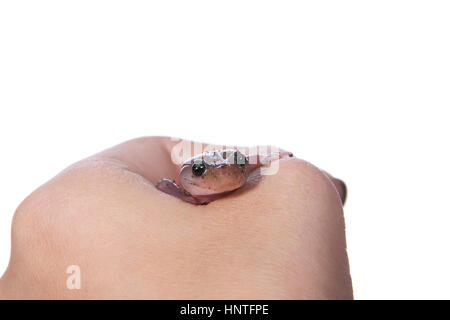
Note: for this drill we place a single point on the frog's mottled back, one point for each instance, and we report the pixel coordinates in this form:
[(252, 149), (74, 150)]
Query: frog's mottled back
[(215, 172)]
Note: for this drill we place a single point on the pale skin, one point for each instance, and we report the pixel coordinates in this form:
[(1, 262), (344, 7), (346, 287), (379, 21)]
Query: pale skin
[(279, 237)]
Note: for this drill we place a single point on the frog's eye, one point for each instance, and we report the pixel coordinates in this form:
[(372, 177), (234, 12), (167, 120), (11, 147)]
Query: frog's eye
[(198, 168), (239, 158)]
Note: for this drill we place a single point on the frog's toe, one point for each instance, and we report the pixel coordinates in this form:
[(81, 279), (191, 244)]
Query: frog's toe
[(170, 187)]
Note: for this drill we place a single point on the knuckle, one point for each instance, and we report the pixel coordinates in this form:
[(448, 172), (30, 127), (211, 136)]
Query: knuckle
[(306, 180), (302, 172)]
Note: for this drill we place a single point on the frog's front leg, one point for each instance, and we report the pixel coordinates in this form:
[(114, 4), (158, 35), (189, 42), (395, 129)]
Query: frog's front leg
[(170, 187)]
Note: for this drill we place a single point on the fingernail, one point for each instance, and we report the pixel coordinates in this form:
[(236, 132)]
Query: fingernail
[(344, 191)]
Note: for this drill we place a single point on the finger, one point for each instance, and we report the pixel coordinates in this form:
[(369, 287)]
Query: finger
[(340, 186), (146, 156), (155, 158)]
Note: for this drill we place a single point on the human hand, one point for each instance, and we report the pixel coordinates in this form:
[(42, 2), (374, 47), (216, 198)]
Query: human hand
[(282, 238)]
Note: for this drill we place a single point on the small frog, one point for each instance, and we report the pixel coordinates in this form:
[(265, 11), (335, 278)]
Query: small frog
[(211, 175)]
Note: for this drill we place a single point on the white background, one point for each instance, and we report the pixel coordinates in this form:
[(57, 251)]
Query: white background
[(359, 88)]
